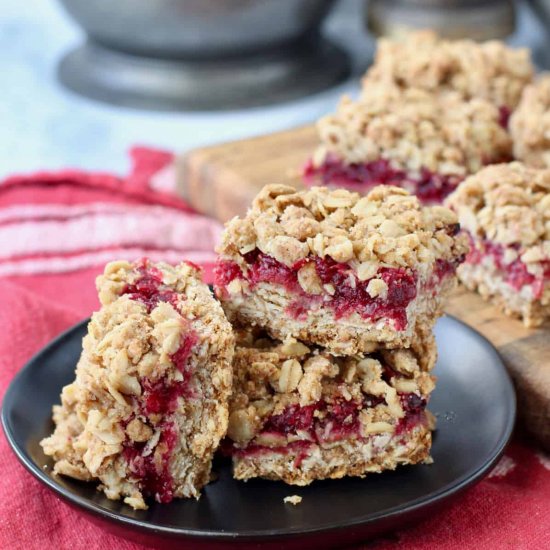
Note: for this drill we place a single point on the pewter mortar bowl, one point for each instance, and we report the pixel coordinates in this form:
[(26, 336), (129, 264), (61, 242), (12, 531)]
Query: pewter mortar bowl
[(195, 29)]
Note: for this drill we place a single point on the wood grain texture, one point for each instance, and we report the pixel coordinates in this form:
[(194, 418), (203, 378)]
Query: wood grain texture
[(525, 352), (222, 180)]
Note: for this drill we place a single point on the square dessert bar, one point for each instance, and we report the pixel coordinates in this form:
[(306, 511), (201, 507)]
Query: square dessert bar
[(505, 211), (150, 400), (530, 125), (488, 70), (411, 138), (334, 269), (298, 413)]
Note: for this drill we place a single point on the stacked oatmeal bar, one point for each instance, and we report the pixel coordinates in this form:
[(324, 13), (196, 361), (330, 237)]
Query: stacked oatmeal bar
[(431, 112), (334, 297), (149, 404)]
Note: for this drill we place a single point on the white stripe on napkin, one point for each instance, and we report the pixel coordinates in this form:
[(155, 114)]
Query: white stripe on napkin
[(130, 227), (59, 264), (22, 212)]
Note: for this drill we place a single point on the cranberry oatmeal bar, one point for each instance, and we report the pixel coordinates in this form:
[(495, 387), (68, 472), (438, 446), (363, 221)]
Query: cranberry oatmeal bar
[(530, 125), (338, 270), (299, 414), (411, 138), (505, 211), (148, 406), (489, 70)]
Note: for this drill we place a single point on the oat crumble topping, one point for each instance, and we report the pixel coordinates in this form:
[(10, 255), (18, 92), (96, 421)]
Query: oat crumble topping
[(489, 70), (415, 130), (530, 125), (508, 204), (387, 227)]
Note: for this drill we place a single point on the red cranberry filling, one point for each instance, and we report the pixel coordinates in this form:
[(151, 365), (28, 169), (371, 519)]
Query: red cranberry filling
[(504, 114), (291, 420), (340, 420), (514, 273), (262, 267), (429, 187), (153, 472), (159, 397), (346, 299), (350, 295), (333, 420), (225, 272), (148, 288), (414, 407), (444, 269)]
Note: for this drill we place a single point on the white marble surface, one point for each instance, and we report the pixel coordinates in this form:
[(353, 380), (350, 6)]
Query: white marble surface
[(43, 126)]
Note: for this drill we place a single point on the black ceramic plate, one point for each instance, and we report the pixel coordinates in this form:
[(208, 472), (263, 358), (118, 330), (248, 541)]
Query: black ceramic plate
[(474, 402)]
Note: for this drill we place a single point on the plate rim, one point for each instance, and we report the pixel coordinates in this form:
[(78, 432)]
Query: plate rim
[(442, 495)]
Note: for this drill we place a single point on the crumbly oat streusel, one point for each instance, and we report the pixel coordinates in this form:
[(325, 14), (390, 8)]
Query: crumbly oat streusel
[(288, 397), (530, 125), (507, 204), (415, 130), (149, 402), (490, 70), (387, 227)]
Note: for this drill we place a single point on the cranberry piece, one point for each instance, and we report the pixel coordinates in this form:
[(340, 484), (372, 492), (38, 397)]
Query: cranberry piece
[(413, 403), (341, 418), (401, 287), (504, 116), (444, 268), (153, 475), (372, 400), (414, 406), (267, 268), (293, 418), (161, 397), (342, 412), (180, 358), (148, 288), (225, 272)]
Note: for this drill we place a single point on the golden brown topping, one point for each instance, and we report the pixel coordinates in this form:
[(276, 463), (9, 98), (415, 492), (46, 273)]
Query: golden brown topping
[(530, 125), (507, 204), (386, 227), (414, 129), (490, 70)]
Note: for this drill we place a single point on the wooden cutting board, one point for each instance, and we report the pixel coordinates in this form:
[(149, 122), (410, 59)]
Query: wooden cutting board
[(222, 180)]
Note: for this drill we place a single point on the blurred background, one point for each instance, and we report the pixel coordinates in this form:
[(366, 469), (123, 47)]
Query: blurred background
[(86, 79)]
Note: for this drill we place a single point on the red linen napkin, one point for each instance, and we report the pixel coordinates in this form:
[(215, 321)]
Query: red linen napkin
[(56, 232)]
